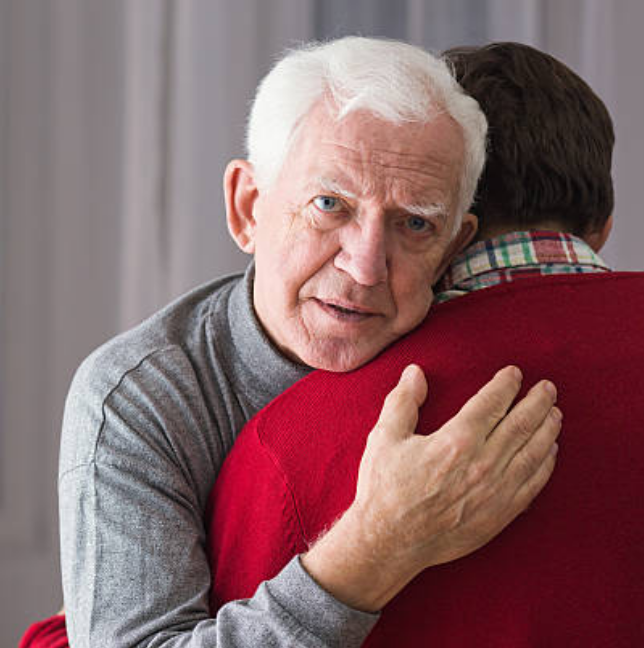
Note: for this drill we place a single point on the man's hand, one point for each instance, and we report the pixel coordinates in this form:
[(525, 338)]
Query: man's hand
[(426, 500)]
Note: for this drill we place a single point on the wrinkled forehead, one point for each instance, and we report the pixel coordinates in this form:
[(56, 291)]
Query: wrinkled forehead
[(362, 132), (424, 157)]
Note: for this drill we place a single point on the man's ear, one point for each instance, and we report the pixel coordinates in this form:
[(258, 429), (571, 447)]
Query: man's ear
[(459, 242), (241, 196), (597, 238)]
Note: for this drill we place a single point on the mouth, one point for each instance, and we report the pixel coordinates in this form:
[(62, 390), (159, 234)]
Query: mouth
[(345, 313)]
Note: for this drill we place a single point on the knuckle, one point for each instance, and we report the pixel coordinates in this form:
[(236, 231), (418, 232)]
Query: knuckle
[(522, 425), (542, 400), (527, 464), (395, 400), (454, 449), (494, 402), (479, 473), (555, 421)]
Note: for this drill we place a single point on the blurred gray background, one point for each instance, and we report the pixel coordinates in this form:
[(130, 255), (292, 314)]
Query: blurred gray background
[(117, 118)]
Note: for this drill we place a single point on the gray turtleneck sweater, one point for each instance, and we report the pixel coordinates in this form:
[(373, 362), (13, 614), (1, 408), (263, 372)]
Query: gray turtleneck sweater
[(149, 419)]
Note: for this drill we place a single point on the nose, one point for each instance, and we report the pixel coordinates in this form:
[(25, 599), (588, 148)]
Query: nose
[(363, 253)]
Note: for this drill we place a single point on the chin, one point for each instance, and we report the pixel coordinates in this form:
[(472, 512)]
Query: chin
[(339, 357)]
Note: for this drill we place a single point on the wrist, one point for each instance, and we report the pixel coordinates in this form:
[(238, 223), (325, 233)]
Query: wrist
[(352, 564)]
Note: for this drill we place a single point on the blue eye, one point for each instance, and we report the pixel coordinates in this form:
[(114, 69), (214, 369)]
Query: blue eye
[(418, 224), (327, 203)]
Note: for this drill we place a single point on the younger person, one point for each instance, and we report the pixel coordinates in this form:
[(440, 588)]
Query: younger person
[(532, 290)]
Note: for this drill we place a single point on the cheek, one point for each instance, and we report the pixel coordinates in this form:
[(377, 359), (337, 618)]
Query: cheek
[(413, 295), (309, 252), (295, 263), (275, 251)]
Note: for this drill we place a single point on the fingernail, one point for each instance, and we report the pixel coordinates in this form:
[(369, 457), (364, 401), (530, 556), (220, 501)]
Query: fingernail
[(554, 449), (550, 388)]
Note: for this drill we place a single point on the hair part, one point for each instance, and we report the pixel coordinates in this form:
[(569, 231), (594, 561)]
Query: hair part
[(395, 81), (551, 140)]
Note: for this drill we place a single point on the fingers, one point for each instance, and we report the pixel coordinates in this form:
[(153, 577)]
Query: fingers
[(529, 422), (482, 413), (528, 470), (399, 415), (535, 483), (540, 449)]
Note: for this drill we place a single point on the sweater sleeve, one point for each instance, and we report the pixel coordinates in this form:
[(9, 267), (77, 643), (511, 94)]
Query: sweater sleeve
[(133, 538)]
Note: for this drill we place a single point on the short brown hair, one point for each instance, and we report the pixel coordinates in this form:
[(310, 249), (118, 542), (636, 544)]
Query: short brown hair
[(550, 139)]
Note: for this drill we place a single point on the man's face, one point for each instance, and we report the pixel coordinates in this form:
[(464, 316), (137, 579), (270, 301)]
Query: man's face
[(349, 240)]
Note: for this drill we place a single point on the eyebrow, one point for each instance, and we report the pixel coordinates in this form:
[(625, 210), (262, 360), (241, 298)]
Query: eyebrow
[(333, 186), (435, 210)]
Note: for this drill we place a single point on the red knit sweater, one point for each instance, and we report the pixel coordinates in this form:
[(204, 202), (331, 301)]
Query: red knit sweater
[(570, 571)]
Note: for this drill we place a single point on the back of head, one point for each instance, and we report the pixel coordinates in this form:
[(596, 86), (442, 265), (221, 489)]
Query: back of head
[(551, 141), (395, 81)]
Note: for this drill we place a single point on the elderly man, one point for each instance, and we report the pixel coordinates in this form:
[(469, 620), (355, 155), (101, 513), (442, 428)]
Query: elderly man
[(363, 159), (570, 571)]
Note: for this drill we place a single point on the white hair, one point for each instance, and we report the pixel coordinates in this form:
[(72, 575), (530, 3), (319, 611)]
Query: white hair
[(396, 81)]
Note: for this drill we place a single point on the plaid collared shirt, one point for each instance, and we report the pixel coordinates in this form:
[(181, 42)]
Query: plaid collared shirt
[(514, 256)]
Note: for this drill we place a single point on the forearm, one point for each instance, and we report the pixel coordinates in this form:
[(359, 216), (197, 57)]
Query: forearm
[(149, 587), (354, 565), (289, 609)]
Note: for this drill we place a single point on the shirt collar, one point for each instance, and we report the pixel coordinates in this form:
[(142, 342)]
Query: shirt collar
[(529, 249)]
